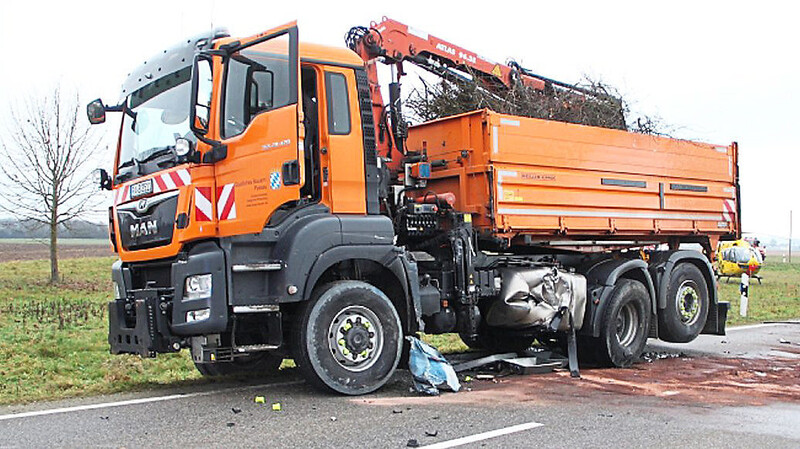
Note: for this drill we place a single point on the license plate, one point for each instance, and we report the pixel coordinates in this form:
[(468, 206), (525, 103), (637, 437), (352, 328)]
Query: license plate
[(141, 188)]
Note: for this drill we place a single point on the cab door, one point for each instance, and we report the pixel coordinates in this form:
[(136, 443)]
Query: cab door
[(260, 121)]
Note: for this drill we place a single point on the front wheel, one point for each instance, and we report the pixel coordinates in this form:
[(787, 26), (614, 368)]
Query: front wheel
[(349, 339)]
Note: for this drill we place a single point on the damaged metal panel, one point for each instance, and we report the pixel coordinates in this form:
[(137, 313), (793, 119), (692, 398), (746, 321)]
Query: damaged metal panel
[(535, 296)]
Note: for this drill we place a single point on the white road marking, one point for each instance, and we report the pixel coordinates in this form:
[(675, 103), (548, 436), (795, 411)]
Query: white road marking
[(484, 436), (753, 326), (170, 397)]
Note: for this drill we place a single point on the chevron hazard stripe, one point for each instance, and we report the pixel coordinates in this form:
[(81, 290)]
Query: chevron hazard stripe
[(161, 183), (202, 204), (728, 210), (171, 180), (226, 202)]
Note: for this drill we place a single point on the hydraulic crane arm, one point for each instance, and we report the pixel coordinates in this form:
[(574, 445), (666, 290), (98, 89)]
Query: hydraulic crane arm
[(392, 43)]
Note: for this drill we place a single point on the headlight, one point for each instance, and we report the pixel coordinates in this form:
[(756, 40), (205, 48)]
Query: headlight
[(182, 147), (197, 315), (198, 286)]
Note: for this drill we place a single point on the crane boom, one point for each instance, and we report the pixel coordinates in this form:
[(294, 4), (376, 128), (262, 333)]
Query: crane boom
[(392, 43)]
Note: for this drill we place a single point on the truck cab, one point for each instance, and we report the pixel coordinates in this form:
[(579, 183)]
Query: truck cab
[(245, 171)]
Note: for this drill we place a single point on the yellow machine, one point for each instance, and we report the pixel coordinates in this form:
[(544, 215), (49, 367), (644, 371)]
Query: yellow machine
[(737, 257)]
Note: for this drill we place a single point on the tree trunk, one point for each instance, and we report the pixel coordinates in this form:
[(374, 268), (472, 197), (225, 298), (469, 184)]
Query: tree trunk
[(54, 275)]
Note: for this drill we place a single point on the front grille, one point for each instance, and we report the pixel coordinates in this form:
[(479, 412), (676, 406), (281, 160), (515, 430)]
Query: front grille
[(148, 222)]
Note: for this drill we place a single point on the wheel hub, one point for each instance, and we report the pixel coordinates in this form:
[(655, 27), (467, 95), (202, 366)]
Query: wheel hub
[(627, 323), (688, 301), (355, 338)]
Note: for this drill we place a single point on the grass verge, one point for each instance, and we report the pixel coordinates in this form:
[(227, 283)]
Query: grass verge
[(53, 339)]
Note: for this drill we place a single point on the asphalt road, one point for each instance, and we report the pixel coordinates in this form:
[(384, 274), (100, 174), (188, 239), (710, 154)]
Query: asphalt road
[(646, 406)]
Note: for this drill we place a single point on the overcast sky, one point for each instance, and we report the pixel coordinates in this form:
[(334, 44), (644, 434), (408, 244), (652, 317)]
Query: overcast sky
[(715, 71)]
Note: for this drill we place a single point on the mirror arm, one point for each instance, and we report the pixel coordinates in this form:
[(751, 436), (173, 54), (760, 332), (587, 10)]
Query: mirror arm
[(116, 108)]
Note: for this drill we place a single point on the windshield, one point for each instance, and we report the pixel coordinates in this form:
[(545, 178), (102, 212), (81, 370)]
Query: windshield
[(155, 116), (741, 254)]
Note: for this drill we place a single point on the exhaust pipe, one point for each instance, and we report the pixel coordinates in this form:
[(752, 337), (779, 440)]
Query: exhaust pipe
[(535, 296)]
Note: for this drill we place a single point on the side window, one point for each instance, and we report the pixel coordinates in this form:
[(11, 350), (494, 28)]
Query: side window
[(257, 80), (338, 103)]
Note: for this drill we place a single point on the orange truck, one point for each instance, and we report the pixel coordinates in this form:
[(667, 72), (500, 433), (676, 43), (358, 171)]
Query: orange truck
[(267, 203)]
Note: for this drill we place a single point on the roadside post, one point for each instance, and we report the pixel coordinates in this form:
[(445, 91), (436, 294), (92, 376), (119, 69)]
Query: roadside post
[(743, 289)]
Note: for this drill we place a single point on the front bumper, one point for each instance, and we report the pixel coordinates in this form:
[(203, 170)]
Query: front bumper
[(150, 315), (148, 334)]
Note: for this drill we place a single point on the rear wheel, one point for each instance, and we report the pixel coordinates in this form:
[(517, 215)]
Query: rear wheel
[(624, 329), (260, 363), (687, 305), (349, 339)]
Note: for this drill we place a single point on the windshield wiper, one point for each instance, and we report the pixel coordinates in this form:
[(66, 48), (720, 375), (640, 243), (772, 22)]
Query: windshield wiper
[(157, 153)]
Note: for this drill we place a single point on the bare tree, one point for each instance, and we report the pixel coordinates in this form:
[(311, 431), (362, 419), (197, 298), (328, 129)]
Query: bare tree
[(44, 151)]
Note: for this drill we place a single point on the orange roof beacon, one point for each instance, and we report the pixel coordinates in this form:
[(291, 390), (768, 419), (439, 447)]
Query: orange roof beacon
[(268, 201)]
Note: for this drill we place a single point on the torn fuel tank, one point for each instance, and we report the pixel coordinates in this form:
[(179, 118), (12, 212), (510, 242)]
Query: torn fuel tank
[(534, 296)]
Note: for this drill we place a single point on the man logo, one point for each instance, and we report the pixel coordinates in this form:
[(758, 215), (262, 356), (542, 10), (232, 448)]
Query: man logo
[(143, 228)]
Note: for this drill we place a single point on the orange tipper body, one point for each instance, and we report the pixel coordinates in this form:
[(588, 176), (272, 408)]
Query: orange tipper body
[(268, 203), (544, 180)]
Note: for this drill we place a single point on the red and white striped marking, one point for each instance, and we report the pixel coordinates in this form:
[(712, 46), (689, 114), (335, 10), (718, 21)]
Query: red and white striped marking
[(161, 183), (202, 204), (121, 195), (728, 210), (171, 180), (226, 202)]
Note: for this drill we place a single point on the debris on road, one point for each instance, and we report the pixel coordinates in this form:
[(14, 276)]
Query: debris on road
[(430, 370), (276, 406), (260, 400), (236, 411), (652, 356), (412, 443), (785, 341), (333, 418), (431, 433), (531, 361), (231, 424)]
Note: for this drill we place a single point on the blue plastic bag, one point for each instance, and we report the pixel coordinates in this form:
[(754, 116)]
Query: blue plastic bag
[(430, 369)]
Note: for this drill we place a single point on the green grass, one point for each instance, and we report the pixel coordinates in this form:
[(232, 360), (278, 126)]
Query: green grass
[(776, 298), (53, 339)]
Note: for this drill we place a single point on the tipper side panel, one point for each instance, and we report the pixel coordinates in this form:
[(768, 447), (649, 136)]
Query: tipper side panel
[(544, 178)]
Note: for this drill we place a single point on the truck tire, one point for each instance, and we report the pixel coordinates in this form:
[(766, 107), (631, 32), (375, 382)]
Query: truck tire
[(497, 340), (624, 329), (687, 305), (349, 339), (259, 363)]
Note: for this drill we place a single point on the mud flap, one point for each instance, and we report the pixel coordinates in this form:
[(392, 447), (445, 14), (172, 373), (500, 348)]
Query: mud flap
[(572, 351), (572, 345)]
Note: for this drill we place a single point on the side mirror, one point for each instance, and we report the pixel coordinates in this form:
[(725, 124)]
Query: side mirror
[(201, 94), (96, 112), (102, 179)]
